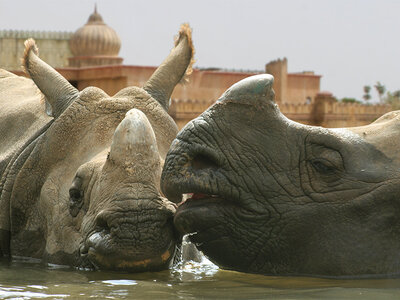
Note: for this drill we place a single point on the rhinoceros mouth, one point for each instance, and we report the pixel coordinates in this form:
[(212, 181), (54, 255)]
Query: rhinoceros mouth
[(116, 260), (200, 215), (197, 200), (192, 189), (131, 246), (99, 242), (204, 197)]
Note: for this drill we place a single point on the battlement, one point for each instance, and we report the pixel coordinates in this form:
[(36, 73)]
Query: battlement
[(328, 112), (182, 111), (324, 112), (343, 108), (25, 34), (336, 108), (53, 47), (227, 70), (278, 61)]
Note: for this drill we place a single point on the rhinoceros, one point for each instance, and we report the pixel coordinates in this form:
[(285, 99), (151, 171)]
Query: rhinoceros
[(272, 196), (81, 187)]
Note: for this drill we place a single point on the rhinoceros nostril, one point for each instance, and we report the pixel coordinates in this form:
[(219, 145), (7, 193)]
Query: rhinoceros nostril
[(102, 224), (202, 161)]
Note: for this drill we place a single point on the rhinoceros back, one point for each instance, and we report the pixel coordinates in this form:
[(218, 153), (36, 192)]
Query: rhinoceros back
[(22, 120), (22, 115)]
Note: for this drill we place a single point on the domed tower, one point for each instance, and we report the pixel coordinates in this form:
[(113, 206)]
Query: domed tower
[(95, 44)]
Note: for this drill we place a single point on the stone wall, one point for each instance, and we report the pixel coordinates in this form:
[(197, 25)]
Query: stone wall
[(53, 47), (300, 112), (326, 112), (203, 84), (302, 87), (292, 87), (182, 111)]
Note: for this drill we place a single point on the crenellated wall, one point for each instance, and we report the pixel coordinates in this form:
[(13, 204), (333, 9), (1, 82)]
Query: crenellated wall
[(299, 112), (53, 47), (182, 111), (326, 112)]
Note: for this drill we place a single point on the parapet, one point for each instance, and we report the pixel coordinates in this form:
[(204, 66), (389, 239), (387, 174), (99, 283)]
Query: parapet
[(37, 35), (278, 61)]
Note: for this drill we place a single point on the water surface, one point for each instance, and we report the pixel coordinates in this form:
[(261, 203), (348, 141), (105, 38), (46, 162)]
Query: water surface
[(21, 279)]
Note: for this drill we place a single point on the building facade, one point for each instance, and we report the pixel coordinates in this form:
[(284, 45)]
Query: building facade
[(89, 57), (54, 47)]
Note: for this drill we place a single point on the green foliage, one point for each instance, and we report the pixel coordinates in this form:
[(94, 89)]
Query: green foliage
[(385, 97), (367, 95), (381, 89), (393, 99), (350, 100)]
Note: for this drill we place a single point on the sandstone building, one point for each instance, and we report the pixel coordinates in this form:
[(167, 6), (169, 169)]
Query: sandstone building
[(89, 57), (53, 46)]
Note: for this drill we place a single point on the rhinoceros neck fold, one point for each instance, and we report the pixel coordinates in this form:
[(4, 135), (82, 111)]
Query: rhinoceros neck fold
[(10, 174)]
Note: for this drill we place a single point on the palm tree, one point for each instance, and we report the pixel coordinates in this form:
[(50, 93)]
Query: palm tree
[(367, 95), (381, 89)]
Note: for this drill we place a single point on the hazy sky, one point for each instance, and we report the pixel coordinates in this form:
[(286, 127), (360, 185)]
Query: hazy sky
[(351, 43)]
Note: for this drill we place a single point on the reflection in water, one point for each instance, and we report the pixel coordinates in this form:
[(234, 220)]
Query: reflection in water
[(120, 282), (199, 279)]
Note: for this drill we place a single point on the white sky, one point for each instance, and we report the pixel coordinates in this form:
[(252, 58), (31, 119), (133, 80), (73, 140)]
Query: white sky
[(350, 42)]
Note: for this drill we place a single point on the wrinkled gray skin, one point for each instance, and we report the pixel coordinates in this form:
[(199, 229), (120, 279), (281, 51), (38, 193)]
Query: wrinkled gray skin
[(81, 187), (272, 196)]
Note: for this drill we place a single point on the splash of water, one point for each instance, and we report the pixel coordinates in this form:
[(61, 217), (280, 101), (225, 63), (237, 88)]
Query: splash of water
[(191, 263)]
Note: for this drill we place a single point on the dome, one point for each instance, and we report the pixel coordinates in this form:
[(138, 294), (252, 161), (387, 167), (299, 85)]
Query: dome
[(95, 38)]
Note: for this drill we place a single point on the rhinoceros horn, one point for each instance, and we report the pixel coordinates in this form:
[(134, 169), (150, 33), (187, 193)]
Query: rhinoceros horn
[(58, 91), (175, 68), (134, 147)]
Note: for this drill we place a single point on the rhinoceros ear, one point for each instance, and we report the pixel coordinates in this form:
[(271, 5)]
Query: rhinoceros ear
[(176, 67), (58, 91), (257, 87)]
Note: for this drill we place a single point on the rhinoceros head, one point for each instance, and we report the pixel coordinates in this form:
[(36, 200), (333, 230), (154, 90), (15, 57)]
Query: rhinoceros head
[(86, 192), (273, 196)]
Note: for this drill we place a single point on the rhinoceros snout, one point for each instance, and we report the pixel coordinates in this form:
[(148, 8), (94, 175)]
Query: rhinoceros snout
[(189, 168), (131, 240), (101, 221)]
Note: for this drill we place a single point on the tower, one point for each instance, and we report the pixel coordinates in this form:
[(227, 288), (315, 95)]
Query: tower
[(278, 68)]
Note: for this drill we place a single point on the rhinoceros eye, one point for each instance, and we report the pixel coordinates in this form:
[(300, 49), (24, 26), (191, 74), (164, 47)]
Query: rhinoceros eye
[(75, 197), (326, 161), (323, 167)]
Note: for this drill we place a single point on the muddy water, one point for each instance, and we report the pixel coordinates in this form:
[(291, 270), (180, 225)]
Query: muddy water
[(22, 279)]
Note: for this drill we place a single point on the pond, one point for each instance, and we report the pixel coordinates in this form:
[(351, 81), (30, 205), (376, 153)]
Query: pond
[(28, 279)]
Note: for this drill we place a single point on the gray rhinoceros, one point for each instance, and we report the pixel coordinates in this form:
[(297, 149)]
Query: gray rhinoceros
[(273, 196), (82, 187)]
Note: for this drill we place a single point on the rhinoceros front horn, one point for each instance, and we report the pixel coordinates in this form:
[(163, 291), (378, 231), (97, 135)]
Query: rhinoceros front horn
[(58, 91), (134, 146), (176, 67)]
